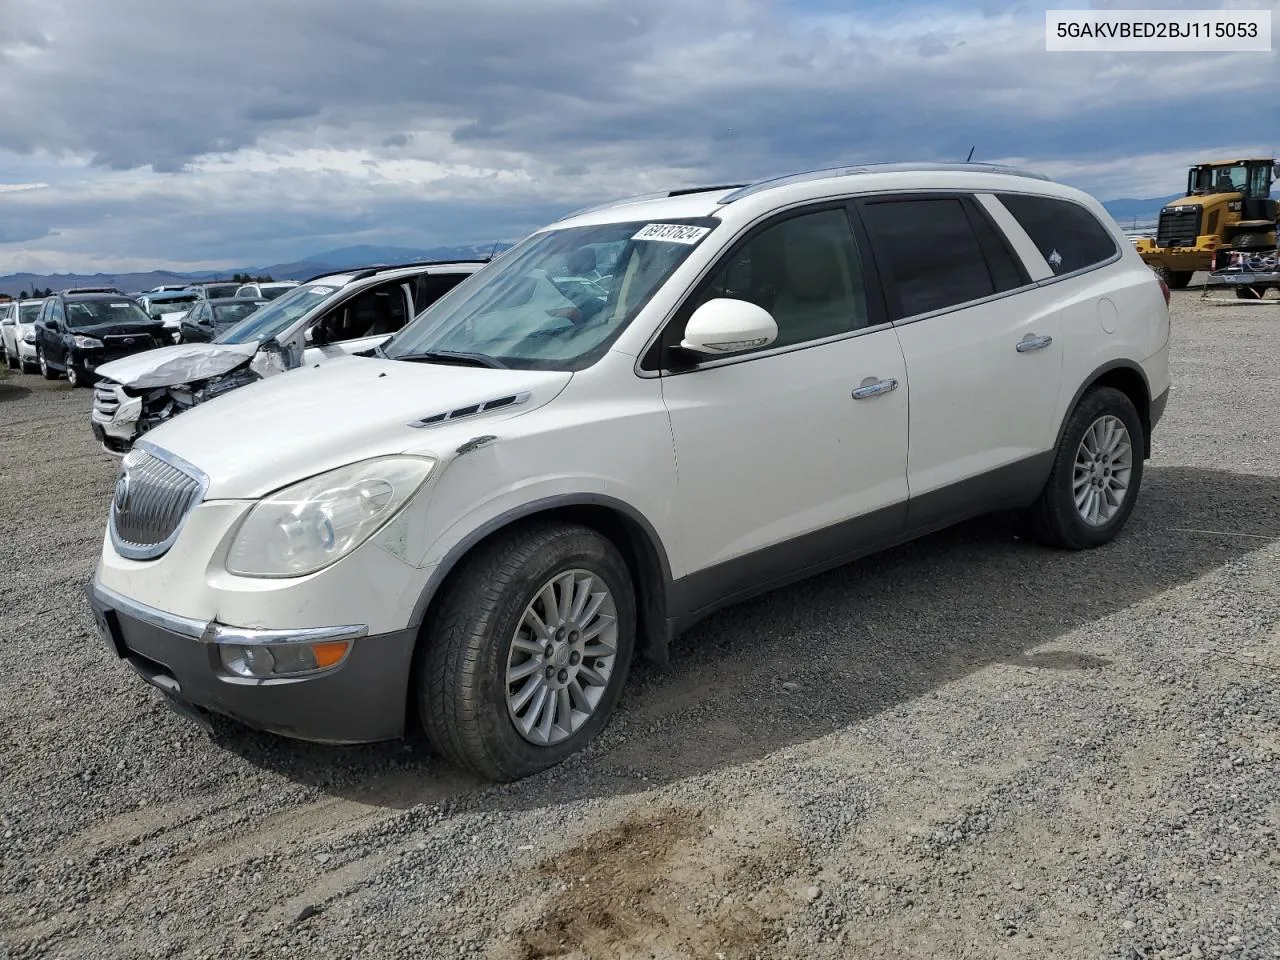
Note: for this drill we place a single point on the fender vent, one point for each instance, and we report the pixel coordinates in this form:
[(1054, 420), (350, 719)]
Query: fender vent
[(474, 410)]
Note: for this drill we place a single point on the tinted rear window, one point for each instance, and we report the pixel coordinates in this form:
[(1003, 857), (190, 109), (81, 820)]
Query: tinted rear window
[(930, 250), (1067, 235)]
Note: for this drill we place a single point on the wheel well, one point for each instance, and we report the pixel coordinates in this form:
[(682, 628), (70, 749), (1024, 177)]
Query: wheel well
[(649, 574), (1131, 383)]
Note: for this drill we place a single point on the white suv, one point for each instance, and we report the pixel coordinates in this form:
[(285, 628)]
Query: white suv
[(635, 416), (328, 316)]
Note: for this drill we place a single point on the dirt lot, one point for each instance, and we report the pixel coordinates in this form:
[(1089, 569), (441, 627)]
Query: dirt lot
[(968, 747)]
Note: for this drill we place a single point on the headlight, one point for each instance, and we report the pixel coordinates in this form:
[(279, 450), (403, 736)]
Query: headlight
[(29, 337), (308, 526), (85, 342)]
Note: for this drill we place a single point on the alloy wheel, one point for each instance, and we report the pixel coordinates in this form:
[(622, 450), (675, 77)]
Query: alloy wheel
[(1103, 466), (561, 657)]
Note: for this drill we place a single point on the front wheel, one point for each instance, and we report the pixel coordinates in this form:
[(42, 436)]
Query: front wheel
[(528, 651), (74, 376), (1096, 473)]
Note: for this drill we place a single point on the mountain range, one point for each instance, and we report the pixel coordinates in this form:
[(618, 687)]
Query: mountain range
[(331, 261), (1127, 211)]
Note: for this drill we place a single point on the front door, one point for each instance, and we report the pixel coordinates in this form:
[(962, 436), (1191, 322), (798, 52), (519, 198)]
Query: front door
[(786, 456)]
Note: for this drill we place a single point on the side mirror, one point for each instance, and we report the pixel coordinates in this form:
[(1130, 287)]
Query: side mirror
[(724, 326)]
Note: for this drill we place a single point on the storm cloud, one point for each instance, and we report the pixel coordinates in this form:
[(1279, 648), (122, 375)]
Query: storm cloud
[(242, 132)]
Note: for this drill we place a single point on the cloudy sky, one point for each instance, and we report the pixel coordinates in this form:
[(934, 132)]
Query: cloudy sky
[(183, 133)]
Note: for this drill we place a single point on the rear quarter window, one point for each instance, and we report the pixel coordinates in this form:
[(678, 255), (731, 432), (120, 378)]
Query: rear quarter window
[(1067, 235)]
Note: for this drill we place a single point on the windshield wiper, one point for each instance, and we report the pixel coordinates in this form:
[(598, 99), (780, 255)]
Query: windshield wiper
[(453, 356)]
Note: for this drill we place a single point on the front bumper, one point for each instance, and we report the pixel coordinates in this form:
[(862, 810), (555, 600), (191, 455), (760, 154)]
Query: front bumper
[(362, 699)]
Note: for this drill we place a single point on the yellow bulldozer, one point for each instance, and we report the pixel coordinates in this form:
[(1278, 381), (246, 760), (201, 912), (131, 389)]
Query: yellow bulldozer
[(1227, 209)]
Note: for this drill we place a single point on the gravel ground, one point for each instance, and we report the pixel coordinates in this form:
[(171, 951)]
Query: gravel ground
[(966, 747)]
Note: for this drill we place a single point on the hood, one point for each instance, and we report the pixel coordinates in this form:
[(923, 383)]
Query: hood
[(170, 366), (140, 329), (271, 433)]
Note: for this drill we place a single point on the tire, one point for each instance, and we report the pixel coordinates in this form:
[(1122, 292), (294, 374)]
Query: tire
[(1161, 271), (1250, 293), (470, 646), (1251, 241), (1054, 517), (1179, 279), (45, 371), (74, 377)]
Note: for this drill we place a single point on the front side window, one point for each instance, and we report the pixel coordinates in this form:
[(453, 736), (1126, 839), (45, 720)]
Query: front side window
[(278, 315), (930, 250), (1067, 235), (805, 271), (379, 311), (542, 306)]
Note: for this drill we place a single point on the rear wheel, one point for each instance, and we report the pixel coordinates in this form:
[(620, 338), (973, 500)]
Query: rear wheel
[(1096, 473), (45, 370), (528, 651)]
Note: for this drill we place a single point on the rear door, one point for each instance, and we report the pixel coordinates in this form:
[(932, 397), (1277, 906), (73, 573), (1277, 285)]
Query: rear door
[(980, 341)]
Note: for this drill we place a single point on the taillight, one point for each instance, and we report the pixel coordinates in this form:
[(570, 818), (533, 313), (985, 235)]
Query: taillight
[(1164, 288)]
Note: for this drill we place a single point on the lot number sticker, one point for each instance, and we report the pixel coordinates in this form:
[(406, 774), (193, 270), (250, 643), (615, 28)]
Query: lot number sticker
[(672, 232)]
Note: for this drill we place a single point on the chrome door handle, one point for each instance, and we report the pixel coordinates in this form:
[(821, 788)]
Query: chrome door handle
[(1032, 342), (871, 387)]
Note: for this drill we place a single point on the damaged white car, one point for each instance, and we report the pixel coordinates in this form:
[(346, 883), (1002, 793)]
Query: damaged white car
[(328, 316)]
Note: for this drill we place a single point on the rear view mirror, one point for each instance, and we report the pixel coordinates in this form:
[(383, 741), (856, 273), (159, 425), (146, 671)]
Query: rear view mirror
[(723, 326)]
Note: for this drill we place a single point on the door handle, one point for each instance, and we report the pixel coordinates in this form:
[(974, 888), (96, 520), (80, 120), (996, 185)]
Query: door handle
[(871, 387), (1032, 342)]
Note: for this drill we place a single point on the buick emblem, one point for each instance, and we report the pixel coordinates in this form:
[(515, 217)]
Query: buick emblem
[(122, 494), (128, 340)]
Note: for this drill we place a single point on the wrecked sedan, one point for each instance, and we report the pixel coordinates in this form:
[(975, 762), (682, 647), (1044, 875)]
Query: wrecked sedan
[(326, 317)]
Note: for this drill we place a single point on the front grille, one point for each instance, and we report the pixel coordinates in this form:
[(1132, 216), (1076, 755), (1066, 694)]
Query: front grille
[(1178, 227), (130, 341), (153, 496), (105, 400)]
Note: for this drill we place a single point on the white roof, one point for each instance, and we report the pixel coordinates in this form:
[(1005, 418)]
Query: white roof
[(767, 195)]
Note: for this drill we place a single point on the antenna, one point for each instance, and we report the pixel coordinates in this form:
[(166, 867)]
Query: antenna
[(970, 156), (493, 251)]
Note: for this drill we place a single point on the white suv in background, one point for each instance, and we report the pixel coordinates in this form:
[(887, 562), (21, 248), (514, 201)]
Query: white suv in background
[(561, 464), (326, 317), (18, 334)]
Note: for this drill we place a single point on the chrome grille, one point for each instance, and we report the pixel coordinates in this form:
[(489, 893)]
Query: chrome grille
[(105, 400), (153, 496)]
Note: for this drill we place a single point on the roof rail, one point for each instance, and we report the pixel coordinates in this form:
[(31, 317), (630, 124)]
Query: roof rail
[(360, 273), (642, 197), (824, 173)]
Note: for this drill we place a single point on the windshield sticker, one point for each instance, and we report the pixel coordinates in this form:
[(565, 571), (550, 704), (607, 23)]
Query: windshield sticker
[(672, 233), (323, 290), (121, 306)]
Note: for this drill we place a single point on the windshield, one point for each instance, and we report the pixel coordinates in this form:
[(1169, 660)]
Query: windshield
[(171, 304), (276, 316), (558, 299), (225, 314), (28, 312), (215, 291), (87, 313), (1233, 179)]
